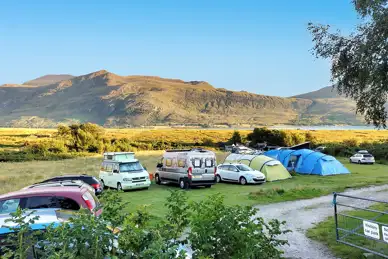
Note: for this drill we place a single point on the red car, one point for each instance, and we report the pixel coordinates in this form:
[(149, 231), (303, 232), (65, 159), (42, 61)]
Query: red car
[(66, 198)]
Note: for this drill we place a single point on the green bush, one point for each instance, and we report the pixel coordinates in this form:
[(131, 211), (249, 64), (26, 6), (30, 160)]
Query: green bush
[(216, 231)]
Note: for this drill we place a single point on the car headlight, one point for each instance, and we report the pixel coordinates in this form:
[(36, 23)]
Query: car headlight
[(127, 179)]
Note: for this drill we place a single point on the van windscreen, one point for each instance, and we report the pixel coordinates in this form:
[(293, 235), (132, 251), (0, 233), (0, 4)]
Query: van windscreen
[(130, 167)]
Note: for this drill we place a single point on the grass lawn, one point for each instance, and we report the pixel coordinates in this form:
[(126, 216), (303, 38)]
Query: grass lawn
[(325, 233), (14, 176)]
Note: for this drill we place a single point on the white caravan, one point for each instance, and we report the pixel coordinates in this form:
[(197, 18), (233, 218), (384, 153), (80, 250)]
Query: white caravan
[(122, 171)]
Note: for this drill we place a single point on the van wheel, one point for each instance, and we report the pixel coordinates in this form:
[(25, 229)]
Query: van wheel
[(119, 187), (243, 181), (157, 179), (218, 178), (359, 162), (103, 184), (183, 184)]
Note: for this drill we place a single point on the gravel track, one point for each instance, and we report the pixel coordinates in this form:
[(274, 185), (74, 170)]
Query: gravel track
[(304, 214)]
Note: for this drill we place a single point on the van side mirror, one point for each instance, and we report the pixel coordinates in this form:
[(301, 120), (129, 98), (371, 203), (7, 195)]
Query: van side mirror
[(115, 171)]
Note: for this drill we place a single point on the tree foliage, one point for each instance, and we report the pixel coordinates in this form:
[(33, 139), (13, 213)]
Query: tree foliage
[(236, 138), (211, 228), (360, 60)]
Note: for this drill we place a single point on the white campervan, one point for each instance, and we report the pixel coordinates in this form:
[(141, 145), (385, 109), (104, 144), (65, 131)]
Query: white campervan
[(122, 171)]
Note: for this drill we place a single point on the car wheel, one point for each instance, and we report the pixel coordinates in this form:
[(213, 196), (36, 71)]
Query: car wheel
[(183, 184), (359, 162), (218, 178), (119, 187), (157, 179), (208, 186), (243, 181)]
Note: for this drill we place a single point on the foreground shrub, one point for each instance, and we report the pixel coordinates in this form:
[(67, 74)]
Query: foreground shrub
[(220, 231), (214, 231)]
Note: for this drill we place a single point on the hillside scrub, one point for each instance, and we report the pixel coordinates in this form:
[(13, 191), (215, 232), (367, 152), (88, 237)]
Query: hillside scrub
[(216, 231), (90, 139)]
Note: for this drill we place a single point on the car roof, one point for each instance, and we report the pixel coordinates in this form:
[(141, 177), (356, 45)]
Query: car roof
[(59, 183), (44, 191), (72, 175), (234, 164)]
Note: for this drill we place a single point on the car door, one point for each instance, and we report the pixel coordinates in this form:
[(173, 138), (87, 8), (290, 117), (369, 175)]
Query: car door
[(223, 172), (233, 173)]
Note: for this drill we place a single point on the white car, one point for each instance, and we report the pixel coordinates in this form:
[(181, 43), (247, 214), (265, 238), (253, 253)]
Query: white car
[(239, 173), (362, 158)]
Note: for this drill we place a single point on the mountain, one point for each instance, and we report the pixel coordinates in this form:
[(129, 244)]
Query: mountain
[(112, 100), (330, 107), (327, 92), (48, 79)]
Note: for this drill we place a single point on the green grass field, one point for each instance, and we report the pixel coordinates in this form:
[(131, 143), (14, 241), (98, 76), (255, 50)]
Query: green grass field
[(14, 176)]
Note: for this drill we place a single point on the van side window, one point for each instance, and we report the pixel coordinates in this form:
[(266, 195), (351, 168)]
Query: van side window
[(109, 168), (197, 162), (209, 162), (181, 163), (168, 162), (102, 167)]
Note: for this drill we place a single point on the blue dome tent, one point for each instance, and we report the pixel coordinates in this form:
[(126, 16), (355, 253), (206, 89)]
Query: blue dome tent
[(306, 161)]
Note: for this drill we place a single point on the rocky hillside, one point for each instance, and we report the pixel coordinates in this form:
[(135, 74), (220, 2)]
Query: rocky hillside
[(112, 100)]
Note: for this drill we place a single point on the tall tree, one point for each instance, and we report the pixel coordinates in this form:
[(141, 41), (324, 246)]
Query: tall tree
[(359, 66)]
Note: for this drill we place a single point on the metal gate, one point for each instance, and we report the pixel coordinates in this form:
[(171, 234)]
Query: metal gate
[(362, 223)]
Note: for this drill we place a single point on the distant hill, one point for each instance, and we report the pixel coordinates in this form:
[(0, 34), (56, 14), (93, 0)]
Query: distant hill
[(122, 101), (48, 79), (323, 93)]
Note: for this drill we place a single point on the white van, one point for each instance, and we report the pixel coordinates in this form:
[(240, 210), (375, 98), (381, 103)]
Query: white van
[(192, 167), (122, 171)]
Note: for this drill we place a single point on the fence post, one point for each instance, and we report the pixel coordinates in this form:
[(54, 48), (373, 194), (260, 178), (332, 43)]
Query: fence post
[(335, 215)]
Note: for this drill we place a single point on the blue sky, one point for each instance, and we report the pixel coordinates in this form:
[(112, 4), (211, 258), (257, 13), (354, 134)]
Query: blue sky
[(258, 46)]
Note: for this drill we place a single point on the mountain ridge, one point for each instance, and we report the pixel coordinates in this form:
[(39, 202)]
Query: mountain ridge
[(130, 101)]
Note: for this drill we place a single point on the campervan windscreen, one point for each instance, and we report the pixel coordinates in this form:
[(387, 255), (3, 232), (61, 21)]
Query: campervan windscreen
[(244, 168), (130, 167)]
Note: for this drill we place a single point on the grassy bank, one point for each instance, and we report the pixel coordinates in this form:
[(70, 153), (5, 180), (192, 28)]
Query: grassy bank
[(14, 176), (324, 232)]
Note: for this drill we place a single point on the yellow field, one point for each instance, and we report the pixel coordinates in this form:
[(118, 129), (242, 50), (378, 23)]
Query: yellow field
[(13, 138)]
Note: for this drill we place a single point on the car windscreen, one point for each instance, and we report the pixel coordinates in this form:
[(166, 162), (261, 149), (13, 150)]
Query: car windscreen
[(243, 168), (130, 167), (368, 155)]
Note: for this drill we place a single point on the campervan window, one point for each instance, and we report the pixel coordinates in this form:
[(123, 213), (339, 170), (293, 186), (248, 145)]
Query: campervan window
[(168, 162), (109, 167), (181, 163), (130, 167), (197, 162), (209, 163)]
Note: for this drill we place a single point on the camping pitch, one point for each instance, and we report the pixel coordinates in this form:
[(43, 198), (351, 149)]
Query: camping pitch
[(306, 161), (272, 168)]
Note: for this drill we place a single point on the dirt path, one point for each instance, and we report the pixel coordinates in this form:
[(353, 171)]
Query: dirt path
[(303, 214)]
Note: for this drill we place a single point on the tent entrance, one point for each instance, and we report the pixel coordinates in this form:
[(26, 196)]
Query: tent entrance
[(293, 162)]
